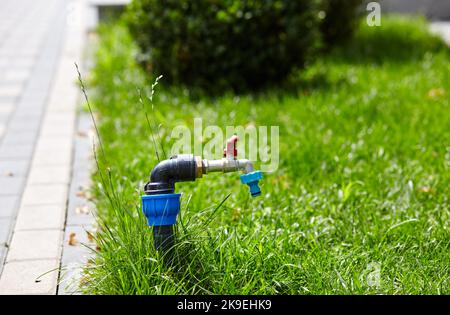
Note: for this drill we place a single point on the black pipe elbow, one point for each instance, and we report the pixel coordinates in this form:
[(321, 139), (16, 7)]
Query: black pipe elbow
[(165, 174)]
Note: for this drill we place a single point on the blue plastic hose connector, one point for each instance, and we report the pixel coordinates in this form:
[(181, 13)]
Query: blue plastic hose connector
[(252, 179), (161, 209)]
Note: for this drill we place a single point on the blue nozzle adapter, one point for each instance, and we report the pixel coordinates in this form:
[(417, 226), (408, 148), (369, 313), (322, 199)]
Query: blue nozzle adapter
[(161, 209), (161, 212), (252, 179)]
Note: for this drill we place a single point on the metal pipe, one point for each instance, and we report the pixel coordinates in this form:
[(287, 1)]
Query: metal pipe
[(227, 165)]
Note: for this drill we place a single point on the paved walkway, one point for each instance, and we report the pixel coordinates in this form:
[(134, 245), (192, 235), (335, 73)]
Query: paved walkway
[(39, 43), (441, 29)]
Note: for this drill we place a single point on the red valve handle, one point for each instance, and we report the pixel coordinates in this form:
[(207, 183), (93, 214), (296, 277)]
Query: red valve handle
[(230, 152)]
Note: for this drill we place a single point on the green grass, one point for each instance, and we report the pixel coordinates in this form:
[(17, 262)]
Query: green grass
[(363, 178)]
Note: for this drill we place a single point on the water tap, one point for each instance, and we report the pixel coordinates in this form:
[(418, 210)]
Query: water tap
[(161, 204)]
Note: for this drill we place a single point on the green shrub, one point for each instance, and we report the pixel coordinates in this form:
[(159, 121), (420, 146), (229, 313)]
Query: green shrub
[(339, 20), (220, 44)]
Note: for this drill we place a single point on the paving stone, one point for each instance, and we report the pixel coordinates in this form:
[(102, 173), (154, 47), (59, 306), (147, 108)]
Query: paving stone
[(74, 258), (28, 125), (7, 99), (78, 251), (10, 91), (6, 103), (8, 206), (55, 143), (29, 104), (62, 106), (80, 211), (39, 244), (11, 185), (22, 65), (45, 194), (49, 175), (70, 277), (3, 252), (77, 221), (16, 151), (14, 167), (28, 53), (44, 217), (17, 75), (57, 130), (37, 85), (5, 226), (34, 103), (6, 109), (19, 137), (82, 172), (63, 118), (30, 277), (58, 157), (3, 124), (27, 115)]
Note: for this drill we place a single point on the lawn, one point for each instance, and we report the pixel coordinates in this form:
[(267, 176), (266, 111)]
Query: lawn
[(358, 205)]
